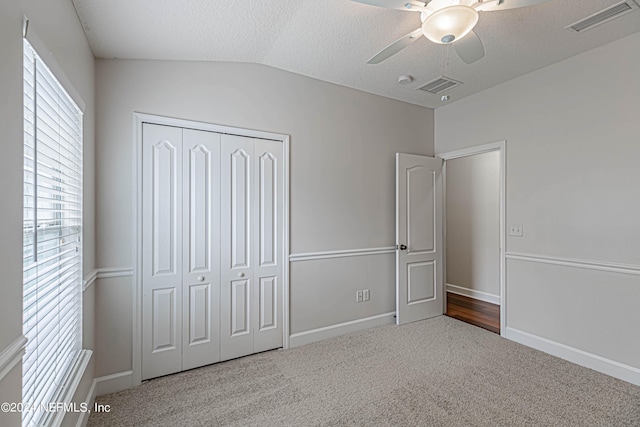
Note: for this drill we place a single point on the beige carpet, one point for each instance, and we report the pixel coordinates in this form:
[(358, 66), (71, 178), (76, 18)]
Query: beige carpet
[(439, 372)]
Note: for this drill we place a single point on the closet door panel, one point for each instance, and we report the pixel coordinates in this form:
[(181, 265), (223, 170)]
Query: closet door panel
[(201, 248), (267, 229), (267, 303), (162, 250), (240, 299), (163, 323), (238, 205), (199, 319), (267, 209), (236, 180)]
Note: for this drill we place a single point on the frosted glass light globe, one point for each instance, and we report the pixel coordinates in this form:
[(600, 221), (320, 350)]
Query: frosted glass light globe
[(449, 24)]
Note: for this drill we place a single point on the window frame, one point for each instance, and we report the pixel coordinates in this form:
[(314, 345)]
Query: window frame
[(52, 264)]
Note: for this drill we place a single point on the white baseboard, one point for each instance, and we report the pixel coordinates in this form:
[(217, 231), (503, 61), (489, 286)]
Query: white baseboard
[(482, 296), (91, 397), (104, 385), (307, 337), (574, 355), (114, 382)]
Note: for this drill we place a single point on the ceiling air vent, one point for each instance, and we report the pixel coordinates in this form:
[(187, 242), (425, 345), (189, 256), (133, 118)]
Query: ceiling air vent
[(439, 85), (603, 16)]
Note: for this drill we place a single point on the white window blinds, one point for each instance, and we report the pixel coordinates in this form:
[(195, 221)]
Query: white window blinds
[(52, 253)]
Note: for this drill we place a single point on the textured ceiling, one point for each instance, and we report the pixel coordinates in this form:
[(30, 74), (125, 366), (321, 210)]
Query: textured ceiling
[(331, 40)]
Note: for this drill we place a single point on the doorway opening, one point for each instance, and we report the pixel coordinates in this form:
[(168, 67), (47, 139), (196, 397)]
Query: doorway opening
[(474, 229), (474, 311)]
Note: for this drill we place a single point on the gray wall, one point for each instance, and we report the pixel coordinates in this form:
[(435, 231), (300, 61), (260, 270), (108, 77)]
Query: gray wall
[(342, 179), (473, 224), (572, 181), (57, 26), (11, 195)]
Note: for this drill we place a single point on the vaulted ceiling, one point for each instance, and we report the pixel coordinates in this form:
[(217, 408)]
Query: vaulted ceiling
[(331, 40)]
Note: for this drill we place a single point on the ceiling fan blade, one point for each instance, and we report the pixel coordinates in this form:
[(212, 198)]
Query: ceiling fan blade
[(395, 47), (414, 5), (469, 48), (490, 6)]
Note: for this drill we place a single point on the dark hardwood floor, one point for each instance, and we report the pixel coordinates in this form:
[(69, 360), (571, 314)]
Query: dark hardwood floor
[(478, 313)]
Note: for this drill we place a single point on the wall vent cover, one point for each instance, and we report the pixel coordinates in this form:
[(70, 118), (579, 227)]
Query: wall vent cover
[(603, 16), (439, 85)]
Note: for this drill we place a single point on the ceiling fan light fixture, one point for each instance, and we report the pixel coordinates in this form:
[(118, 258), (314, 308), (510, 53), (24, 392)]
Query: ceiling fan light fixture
[(450, 24)]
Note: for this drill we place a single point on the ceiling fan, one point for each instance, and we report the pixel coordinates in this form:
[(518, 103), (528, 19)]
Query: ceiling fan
[(444, 22)]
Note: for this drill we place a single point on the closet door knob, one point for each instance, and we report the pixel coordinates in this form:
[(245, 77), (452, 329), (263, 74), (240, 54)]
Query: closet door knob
[(200, 278), (241, 274)]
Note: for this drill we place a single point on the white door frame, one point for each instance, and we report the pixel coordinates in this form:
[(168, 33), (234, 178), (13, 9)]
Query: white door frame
[(501, 147), (138, 120)]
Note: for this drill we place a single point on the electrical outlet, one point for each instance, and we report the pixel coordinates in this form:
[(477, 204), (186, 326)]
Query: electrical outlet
[(366, 295), (359, 296), (516, 230)]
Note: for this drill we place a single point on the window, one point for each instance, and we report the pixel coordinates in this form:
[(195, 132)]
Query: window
[(52, 230)]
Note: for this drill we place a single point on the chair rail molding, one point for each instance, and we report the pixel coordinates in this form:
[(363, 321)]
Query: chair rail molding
[(90, 279), (106, 273), (309, 256), (577, 263), (12, 355)]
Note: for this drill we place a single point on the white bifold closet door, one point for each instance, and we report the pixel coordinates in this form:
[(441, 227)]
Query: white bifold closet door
[(211, 244), (252, 221), (181, 251), (200, 248)]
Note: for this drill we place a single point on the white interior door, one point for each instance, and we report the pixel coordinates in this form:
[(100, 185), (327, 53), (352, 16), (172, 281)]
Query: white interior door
[(201, 249), (419, 269), (162, 250)]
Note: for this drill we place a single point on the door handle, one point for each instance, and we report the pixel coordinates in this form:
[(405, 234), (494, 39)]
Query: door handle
[(200, 278), (401, 247)]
